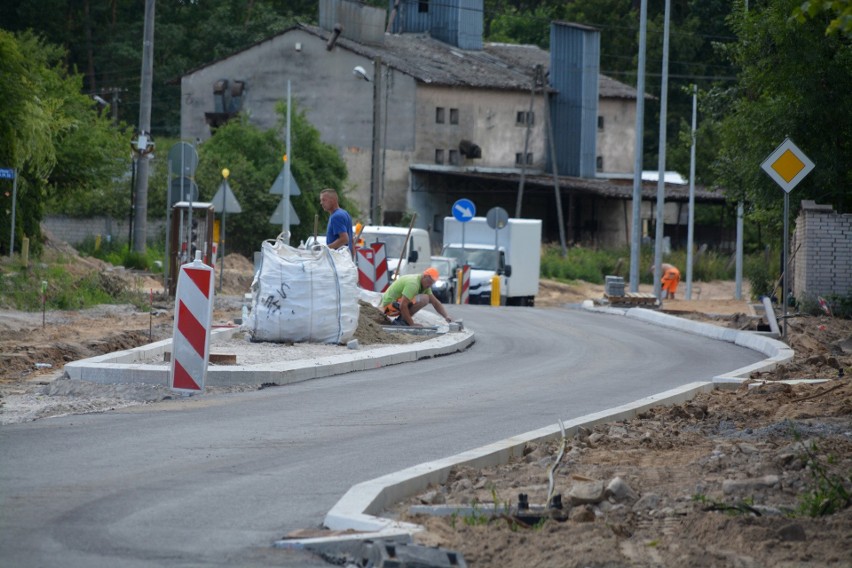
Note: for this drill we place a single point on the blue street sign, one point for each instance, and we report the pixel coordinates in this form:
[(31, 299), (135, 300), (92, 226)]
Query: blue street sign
[(7, 173), (464, 210)]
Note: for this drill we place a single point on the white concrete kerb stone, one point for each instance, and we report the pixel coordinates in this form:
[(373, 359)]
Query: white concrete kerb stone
[(359, 508)]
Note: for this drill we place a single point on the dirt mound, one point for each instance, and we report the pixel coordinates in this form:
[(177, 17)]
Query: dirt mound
[(27, 347), (726, 479)]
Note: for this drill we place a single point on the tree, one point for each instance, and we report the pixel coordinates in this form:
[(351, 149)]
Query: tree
[(696, 27), (49, 132), (842, 9), (105, 40), (794, 81), (254, 160)]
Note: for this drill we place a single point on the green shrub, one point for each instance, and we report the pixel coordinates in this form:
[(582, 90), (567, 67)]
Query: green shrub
[(839, 306), (592, 265), (118, 253), (761, 282), (21, 289)]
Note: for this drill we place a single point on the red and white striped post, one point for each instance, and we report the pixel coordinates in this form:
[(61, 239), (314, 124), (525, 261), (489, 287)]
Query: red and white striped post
[(372, 267), (366, 269), (380, 262), (463, 279), (193, 318)]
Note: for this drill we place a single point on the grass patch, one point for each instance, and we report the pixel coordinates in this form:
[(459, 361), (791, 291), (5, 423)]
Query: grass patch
[(25, 288), (118, 253), (593, 265)]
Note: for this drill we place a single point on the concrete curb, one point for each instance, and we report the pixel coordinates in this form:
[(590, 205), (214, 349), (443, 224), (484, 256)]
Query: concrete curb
[(776, 351), (357, 510), (134, 365)]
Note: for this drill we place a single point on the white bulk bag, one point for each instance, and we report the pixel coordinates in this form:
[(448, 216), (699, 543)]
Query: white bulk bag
[(304, 295)]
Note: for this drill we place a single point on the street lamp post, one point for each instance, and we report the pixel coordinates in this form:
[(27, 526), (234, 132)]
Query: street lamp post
[(376, 155), (225, 173), (375, 186)]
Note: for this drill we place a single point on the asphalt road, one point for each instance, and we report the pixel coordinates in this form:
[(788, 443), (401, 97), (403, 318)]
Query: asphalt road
[(214, 481)]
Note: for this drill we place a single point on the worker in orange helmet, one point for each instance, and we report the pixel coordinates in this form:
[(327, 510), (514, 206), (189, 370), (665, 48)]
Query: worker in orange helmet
[(669, 281), (409, 294)]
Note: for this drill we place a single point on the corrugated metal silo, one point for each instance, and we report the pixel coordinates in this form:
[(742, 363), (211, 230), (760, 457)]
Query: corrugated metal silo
[(574, 69), (412, 16), (361, 23), (458, 23)]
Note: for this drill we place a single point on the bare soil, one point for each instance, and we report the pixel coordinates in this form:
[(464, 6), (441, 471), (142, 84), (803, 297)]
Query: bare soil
[(719, 481), (758, 476)]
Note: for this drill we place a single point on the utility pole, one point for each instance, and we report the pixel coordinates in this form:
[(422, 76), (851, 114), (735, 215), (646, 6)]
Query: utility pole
[(661, 162), (557, 188), (636, 232), (376, 163), (526, 145), (285, 223), (144, 144)]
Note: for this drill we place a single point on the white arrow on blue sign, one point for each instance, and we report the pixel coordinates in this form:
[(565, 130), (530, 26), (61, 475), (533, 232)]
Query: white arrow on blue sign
[(7, 173), (464, 210)]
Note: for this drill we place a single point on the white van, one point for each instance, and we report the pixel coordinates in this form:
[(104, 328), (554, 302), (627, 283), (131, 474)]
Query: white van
[(415, 253)]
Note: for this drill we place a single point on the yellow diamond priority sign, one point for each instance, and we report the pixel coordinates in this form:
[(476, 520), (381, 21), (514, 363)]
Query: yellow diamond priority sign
[(787, 165)]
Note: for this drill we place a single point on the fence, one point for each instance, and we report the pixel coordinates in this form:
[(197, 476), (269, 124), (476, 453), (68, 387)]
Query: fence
[(75, 230), (822, 249)]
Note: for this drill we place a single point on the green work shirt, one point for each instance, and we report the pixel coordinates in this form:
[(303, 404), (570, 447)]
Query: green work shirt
[(408, 286)]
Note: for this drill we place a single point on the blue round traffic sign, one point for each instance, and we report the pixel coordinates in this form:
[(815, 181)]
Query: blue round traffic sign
[(464, 210)]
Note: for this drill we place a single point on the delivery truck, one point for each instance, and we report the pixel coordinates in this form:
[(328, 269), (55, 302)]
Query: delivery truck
[(513, 253)]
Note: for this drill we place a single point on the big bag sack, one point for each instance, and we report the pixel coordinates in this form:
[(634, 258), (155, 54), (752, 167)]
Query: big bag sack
[(303, 295)]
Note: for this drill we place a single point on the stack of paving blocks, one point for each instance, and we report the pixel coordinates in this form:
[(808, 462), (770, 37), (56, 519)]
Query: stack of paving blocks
[(614, 286)]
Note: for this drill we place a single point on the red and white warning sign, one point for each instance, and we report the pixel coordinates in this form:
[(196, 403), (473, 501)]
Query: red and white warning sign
[(193, 318), (372, 267)]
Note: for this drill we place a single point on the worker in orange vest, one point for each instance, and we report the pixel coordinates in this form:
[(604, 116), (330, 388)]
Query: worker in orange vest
[(670, 280)]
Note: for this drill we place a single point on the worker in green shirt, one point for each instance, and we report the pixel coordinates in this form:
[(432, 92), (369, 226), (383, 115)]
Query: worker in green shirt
[(409, 294)]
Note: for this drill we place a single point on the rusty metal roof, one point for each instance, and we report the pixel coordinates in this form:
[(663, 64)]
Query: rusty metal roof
[(613, 188), (499, 66)]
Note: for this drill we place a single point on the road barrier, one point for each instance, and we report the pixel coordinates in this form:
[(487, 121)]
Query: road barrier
[(373, 267), (193, 318), (463, 279)]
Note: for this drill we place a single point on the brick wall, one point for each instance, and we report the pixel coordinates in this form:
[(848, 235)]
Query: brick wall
[(75, 230), (823, 259)]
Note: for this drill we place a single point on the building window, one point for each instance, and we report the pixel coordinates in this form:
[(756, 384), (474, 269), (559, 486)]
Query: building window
[(454, 116), (599, 163), (423, 6), (454, 157), (600, 122), (523, 117), (519, 159), (439, 115), (439, 156)]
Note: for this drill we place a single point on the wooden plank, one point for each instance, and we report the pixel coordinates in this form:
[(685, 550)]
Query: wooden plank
[(215, 358)]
